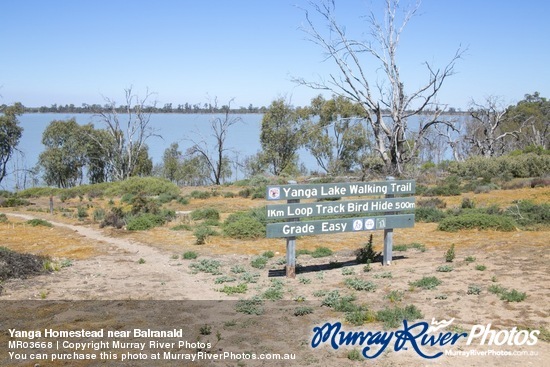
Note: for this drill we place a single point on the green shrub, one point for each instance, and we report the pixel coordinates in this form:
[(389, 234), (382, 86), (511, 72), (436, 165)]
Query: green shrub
[(395, 296), (166, 197), (302, 311), (39, 222), (244, 228), (225, 279), (196, 194), (445, 268), (268, 254), (99, 214), (321, 252), (348, 271), (233, 289), (366, 254), (273, 293), (259, 262), (427, 283), (137, 185), (513, 296), (237, 269), (181, 227), (481, 267), (253, 306), (474, 289), (81, 212), (13, 201), (450, 254), (202, 233), (428, 215), (433, 202), (393, 317), (355, 355), (206, 213), (470, 259), (143, 222), (477, 220), (127, 198), (360, 284), (3, 218), (530, 215), (206, 266), (189, 255), (250, 277)]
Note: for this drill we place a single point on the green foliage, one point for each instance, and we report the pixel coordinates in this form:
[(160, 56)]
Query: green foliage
[(444, 268), (268, 254), (470, 259), (205, 329), (206, 266), (3, 218), (304, 280), (474, 289), (246, 225), (481, 267), (530, 215), (428, 215), (506, 295), (259, 262), (450, 187), (354, 355), (393, 317), (467, 203), (427, 283), (13, 201), (39, 222), (181, 227), (145, 221), (137, 185), (279, 137), (321, 252), (189, 255), (395, 296), (202, 233), (476, 220), (339, 303), (450, 254), (229, 289), (360, 284), (348, 271), (504, 167), (141, 261), (81, 212), (367, 254), (253, 306), (99, 214), (404, 247), (206, 213), (196, 194), (250, 277), (273, 293), (386, 274), (360, 316), (225, 279), (10, 134), (303, 310), (237, 269)]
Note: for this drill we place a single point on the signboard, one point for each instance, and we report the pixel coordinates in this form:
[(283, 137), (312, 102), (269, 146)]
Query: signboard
[(305, 210), (328, 226), (332, 190)]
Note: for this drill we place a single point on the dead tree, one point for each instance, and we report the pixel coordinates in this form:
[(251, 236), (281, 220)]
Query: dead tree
[(386, 102)]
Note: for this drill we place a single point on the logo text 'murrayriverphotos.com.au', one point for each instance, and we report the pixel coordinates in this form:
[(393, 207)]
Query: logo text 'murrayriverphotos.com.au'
[(417, 337)]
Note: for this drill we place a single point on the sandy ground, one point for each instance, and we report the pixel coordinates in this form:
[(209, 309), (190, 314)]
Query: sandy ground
[(105, 267)]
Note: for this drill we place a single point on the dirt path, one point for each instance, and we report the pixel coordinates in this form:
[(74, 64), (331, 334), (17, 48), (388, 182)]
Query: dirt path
[(117, 275)]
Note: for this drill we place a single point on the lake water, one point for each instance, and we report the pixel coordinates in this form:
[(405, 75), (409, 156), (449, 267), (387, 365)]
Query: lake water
[(243, 138)]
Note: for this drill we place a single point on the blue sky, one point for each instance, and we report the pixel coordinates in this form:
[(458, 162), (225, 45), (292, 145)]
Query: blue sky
[(62, 51)]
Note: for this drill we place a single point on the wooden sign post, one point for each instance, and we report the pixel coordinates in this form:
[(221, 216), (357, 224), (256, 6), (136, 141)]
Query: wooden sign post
[(386, 209)]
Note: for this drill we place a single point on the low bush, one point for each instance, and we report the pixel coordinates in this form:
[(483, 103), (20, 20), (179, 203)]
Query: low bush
[(3, 218), (427, 283), (393, 317), (206, 266), (39, 222), (259, 262), (196, 194), (244, 228), (253, 306), (321, 252), (360, 284), (433, 202), (115, 218), (206, 213), (476, 220), (13, 201), (189, 255), (366, 254), (143, 222), (202, 232), (428, 215), (530, 215)]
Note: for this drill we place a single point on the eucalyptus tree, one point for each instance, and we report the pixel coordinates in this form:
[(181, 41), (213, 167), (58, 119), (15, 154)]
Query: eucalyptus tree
[(368, 73), (280, 136), (532, 115), (10, 134), (64, 158), (335, 134)]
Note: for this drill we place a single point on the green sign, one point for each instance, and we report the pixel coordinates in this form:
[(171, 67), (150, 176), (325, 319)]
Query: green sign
[(319, 191), (293, 229), (280, 211)]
